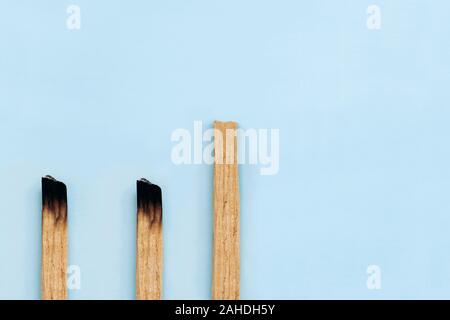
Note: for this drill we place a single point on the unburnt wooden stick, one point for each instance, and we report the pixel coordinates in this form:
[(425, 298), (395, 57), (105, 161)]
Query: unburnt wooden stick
[(226, 281), (149, 255), (54, 239)]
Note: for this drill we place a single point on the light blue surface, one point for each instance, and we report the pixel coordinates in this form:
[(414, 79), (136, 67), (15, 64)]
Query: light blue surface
[(364, 123)]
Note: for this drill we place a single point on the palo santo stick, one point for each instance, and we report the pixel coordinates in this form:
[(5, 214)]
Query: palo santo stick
[(226, 281), (54, 239), (149, 244)]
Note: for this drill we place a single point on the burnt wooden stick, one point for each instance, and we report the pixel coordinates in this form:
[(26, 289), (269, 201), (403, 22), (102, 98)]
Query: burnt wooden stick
[(149, 245), (226, 260), (54, 240)]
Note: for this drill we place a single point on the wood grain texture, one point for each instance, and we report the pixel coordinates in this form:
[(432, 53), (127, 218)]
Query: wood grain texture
[(226, 259), (54, 240), (149, 255)]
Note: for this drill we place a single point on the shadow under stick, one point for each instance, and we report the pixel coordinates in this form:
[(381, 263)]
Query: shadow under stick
[(54, 240), (226, 281), (149, 245)]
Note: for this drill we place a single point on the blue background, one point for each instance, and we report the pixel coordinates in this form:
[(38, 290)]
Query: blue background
[(364, 127)]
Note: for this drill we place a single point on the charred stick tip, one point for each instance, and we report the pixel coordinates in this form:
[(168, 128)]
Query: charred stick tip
[(148, 193), (54, 196), (53, 190)]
